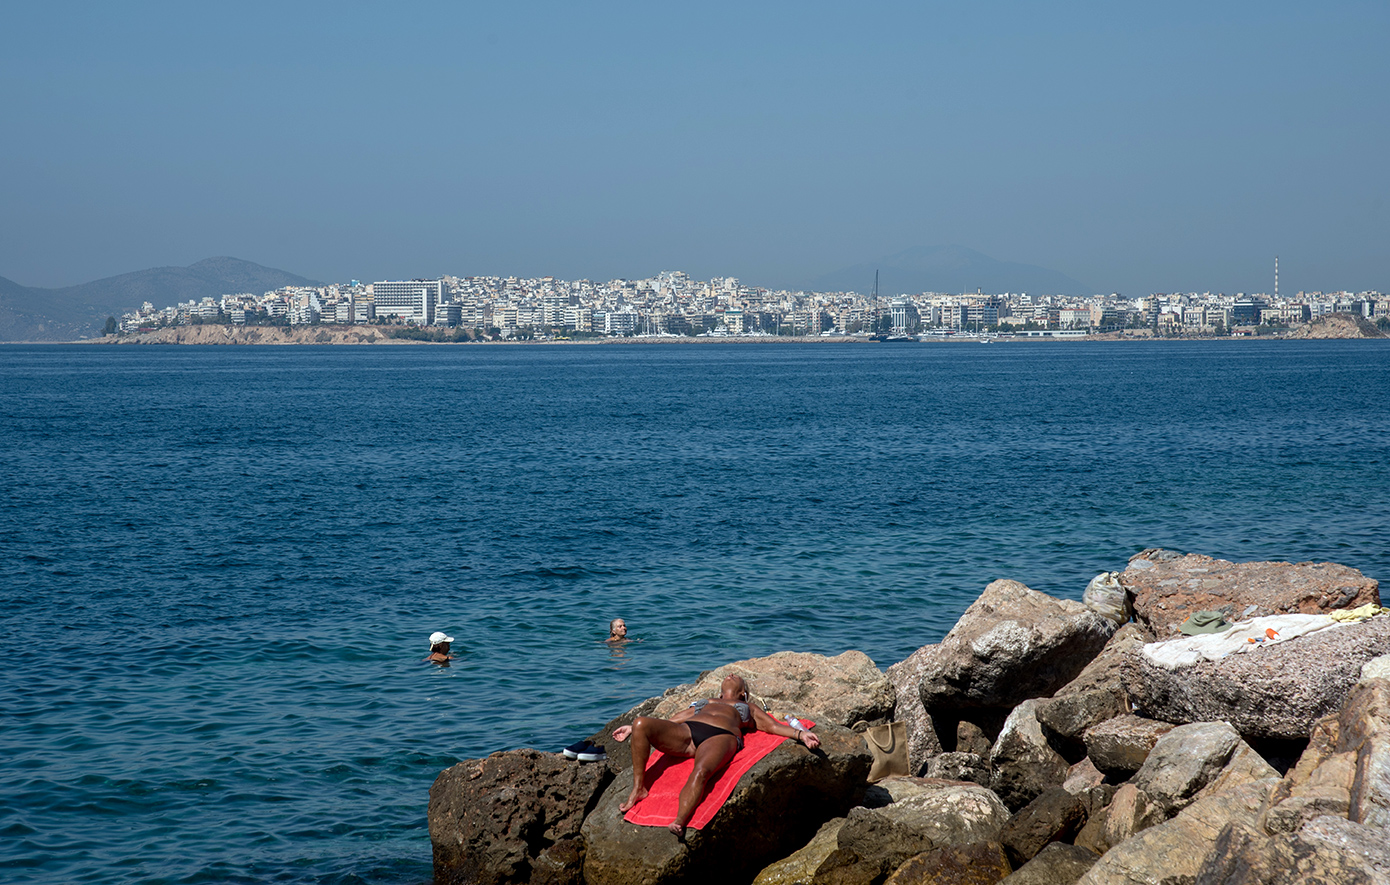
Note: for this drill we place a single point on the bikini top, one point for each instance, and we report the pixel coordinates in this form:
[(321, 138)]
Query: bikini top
[(744, 714)]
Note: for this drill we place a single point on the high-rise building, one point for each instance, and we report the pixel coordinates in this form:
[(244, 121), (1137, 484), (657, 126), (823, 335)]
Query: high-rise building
[(411, 300)]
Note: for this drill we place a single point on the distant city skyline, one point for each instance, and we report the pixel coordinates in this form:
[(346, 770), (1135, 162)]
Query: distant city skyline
[(1132, 151)]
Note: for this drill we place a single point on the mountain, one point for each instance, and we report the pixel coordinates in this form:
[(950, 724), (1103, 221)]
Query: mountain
[(34, 314), (948, 269)]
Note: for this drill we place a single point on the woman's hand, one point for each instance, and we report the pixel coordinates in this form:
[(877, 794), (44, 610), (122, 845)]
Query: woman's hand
[(621, 732), (810, 740)]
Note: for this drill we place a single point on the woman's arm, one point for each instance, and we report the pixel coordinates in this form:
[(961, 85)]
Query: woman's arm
[(766, 723)]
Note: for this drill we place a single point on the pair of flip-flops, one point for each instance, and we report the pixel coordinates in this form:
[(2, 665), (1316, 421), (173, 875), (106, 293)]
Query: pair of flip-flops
[(586, 751)]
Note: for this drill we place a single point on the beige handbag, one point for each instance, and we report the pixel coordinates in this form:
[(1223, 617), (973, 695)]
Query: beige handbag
[(888, 743)]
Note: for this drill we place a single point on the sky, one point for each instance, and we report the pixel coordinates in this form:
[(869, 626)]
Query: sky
[(1135, 147)]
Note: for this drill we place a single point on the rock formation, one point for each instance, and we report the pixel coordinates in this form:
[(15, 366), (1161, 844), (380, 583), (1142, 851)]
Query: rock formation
[(1168, 587), (1078, 752)]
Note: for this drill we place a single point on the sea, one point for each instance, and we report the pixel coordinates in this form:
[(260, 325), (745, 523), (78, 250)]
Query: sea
[(219, 566)]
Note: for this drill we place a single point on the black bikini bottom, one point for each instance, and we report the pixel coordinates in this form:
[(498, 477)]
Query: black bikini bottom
[(703, 731)]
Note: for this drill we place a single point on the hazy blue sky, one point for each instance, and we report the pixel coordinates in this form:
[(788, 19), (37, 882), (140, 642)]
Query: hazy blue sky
[(1135, 147)]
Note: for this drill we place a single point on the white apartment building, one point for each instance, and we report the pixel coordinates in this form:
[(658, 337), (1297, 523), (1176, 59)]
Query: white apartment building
[(411, 300)]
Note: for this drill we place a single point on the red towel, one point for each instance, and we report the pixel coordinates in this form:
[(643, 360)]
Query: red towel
[(666, 775)]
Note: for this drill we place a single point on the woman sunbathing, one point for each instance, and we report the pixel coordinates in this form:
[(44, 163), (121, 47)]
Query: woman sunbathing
[(710, 731)]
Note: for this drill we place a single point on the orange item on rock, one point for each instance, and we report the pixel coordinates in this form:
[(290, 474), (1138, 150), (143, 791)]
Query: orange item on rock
[(1271, 632)]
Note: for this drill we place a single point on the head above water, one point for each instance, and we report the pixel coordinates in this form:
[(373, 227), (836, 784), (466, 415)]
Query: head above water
[(440, 638), (617, 627), (733, 688)]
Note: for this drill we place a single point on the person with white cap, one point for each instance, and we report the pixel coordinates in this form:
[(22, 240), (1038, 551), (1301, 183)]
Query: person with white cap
[(439, 648)]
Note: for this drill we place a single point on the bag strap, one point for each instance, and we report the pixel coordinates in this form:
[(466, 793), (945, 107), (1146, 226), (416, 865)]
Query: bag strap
[(888, 729)]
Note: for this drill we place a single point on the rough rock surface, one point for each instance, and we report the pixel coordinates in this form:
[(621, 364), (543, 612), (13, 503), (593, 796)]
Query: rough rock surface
[(1068, 716), (1057, 864), (842, 690), (1187, 760), (775, 809), (1128, 813), (922, 740), (1337, 325), (1107, 668), (947, 812), (1365, 726), (1082, 776), (1023, 764), (1013, 643), (1318, 784), (1172, 852), (1168, 586), (960, 767), (1120, 746), (1324, 851), (800, 866), (982, 863), (217, 333), (971, 738), (512, 817), (1345, 769), (1276, 692), (868, 849), (1055, 816)]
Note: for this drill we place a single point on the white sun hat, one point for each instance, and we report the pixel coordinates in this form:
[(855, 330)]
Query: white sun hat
[(438, 637)]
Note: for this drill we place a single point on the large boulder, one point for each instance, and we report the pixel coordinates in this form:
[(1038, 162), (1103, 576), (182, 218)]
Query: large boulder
[(1023, 764), (981, 863), (1173, 851), (800, 866), (1128, 813), (1193, 759), (1119, 746), (947, 812), (841, 690), (922, 740), (1013, 643), (1193, 763), (970, 767), (1084, 777), (1274, 691), (1068, 716), (1325, 850), (512, 817), (775, 809), (1057, 864), (1345, 769), (1055, 816), (868, 849), (1106, 670), (1168, 586)]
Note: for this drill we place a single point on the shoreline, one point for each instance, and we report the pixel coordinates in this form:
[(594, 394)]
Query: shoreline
[(324, 335)]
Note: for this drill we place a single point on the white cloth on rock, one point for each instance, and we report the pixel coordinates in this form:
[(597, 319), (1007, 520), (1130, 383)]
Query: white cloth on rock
[(1174, 654)]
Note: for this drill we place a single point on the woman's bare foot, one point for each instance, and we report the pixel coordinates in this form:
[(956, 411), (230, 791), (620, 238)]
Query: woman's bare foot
[(678, 829), (637, 795)]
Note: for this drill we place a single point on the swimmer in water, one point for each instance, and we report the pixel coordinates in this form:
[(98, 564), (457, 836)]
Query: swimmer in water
[(617, 632), (439, 648)]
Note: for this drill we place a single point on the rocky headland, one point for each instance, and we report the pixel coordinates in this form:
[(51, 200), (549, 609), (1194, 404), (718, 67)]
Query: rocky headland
[(1338, 325), (1050, 742), (222, 333)]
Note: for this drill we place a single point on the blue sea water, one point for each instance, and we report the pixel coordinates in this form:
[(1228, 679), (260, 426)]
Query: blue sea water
[(219, 566)]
